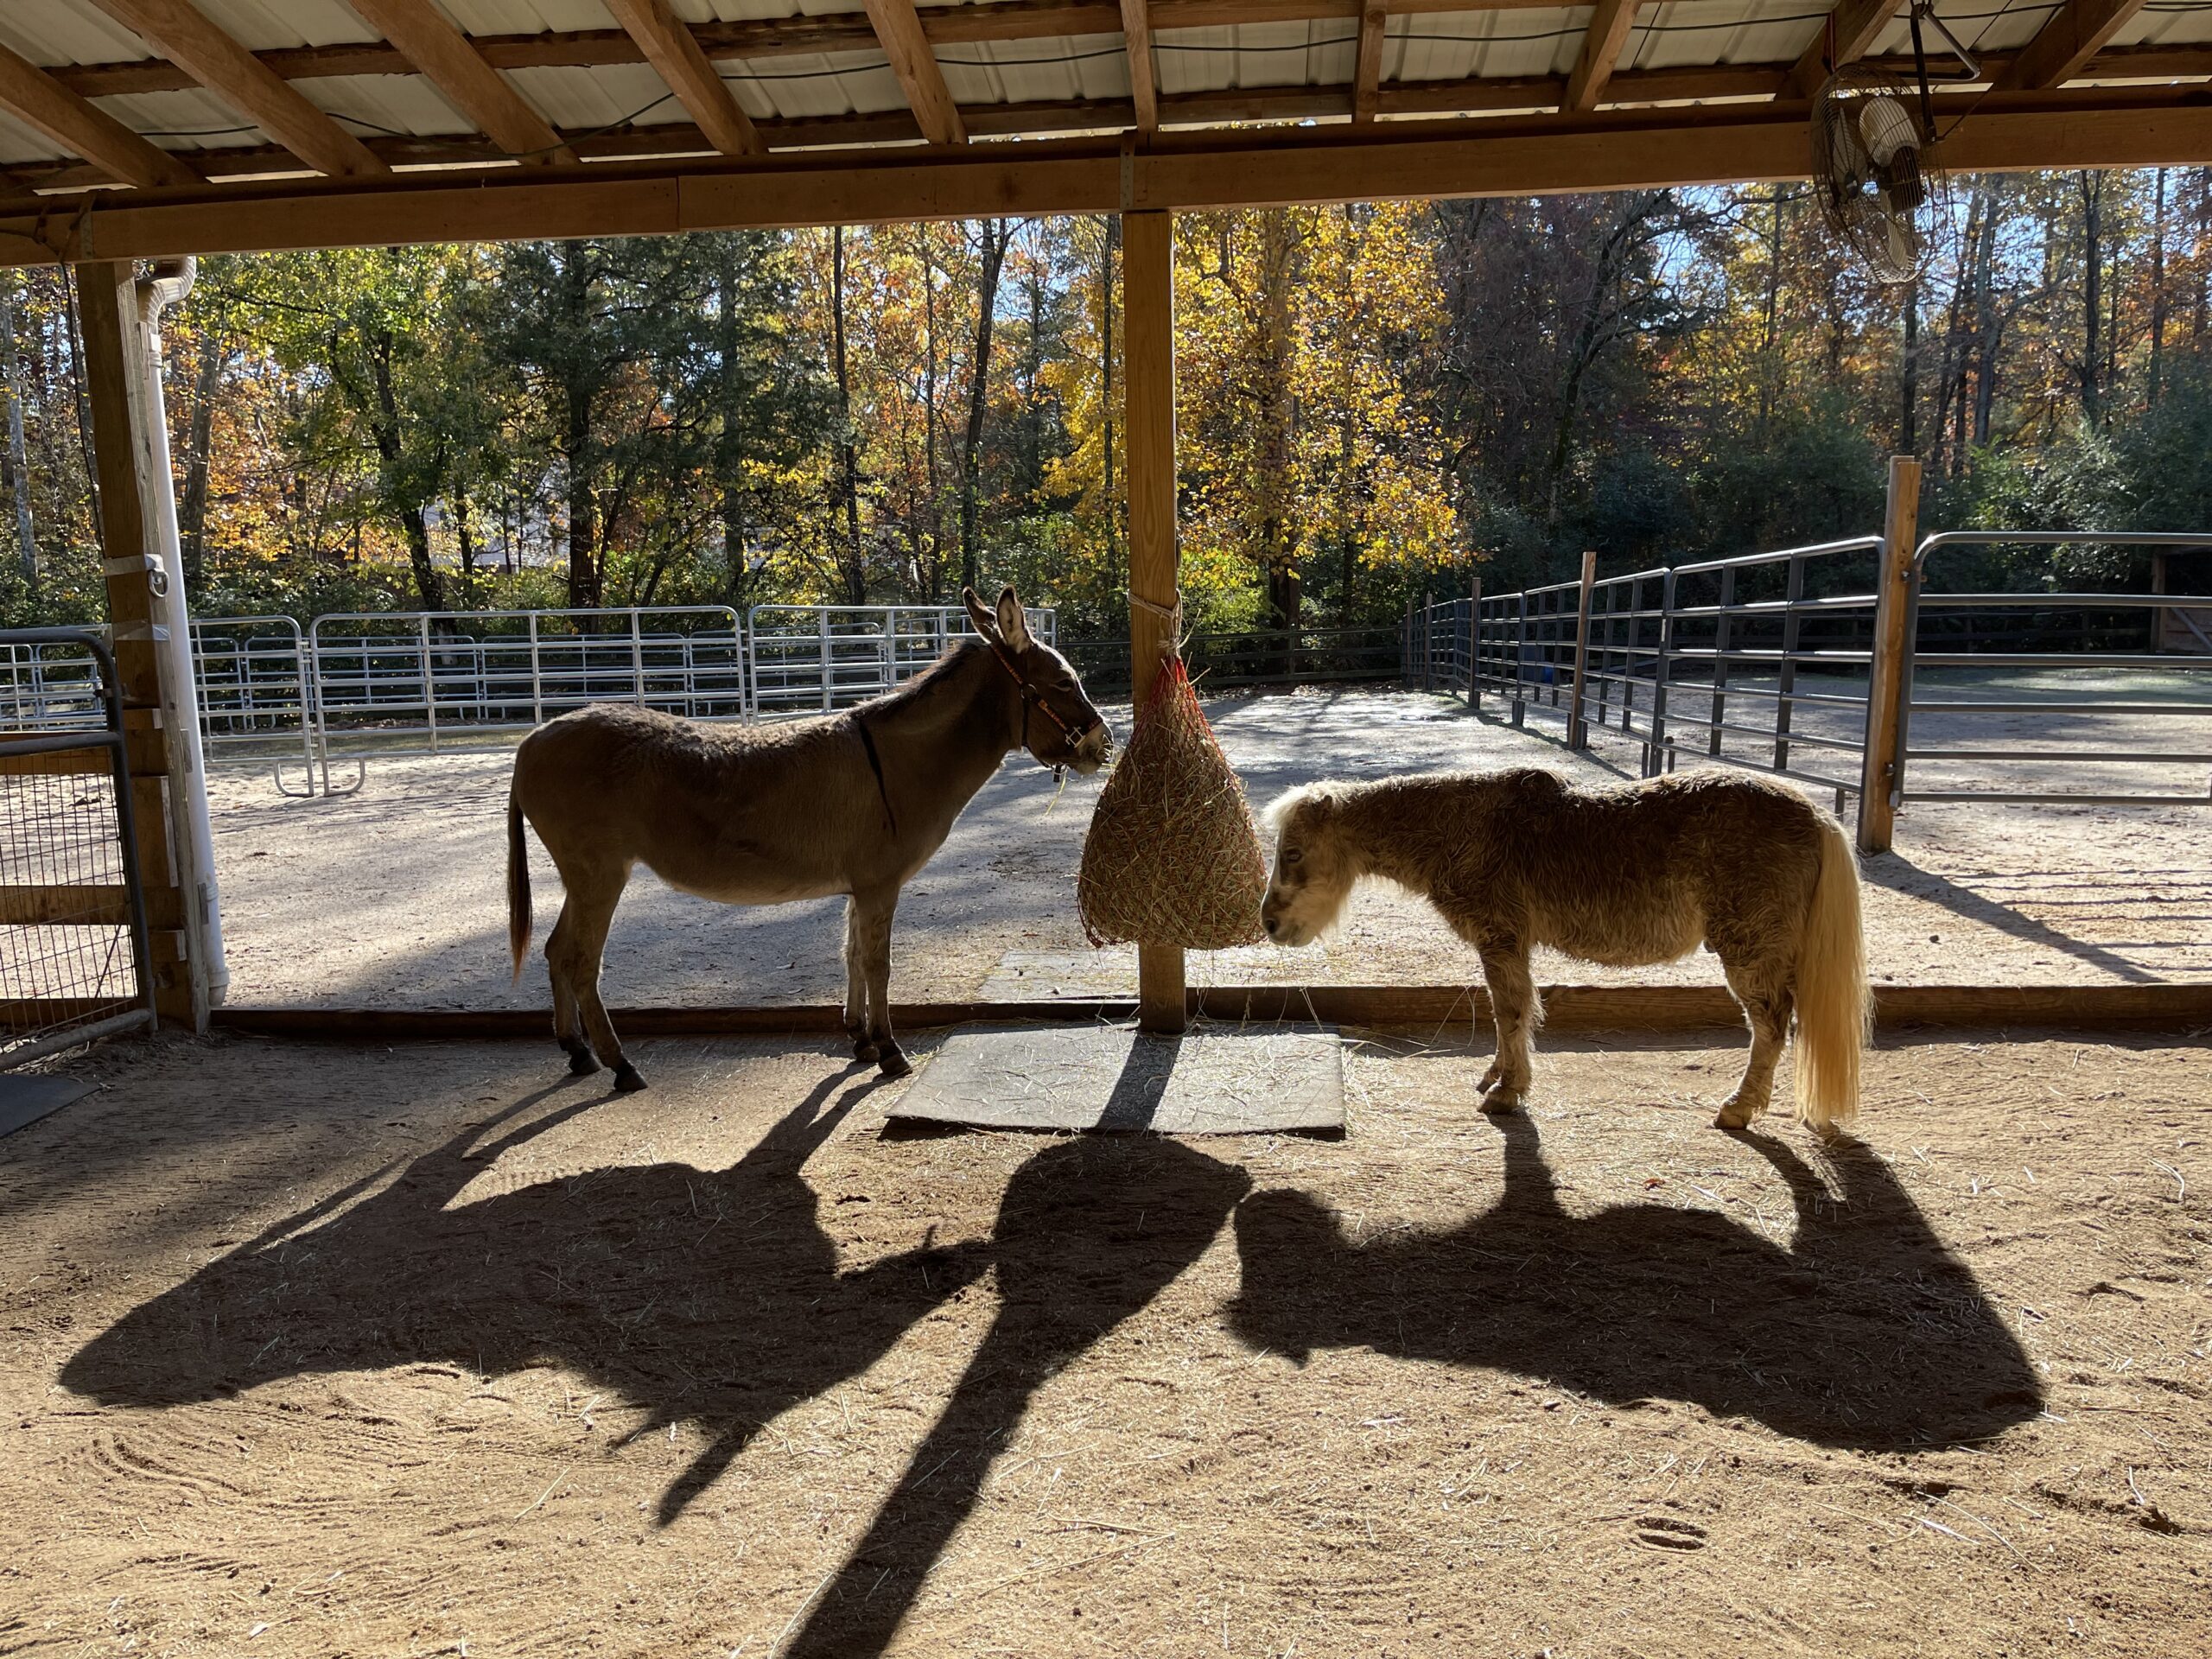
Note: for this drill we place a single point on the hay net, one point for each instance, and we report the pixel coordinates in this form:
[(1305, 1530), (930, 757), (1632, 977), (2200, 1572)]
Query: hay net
[(1171, 856)]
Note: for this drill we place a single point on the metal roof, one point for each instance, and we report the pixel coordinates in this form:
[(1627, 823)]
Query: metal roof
[(1006, 64)]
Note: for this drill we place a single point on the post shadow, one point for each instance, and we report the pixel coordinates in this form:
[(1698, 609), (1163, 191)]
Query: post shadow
[(1865, 1332), (1090, 1231), (1900, 874), (710, 1296)]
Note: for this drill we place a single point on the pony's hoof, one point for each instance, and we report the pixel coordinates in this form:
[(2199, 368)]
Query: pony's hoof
[(580, 1062), (1735, 1115), (1499, 1097), (627, 1080), (894, 1064)]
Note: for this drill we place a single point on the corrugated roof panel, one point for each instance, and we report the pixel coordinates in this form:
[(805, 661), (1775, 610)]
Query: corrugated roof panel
[(1493, 45), (1980, 25), (2157, 25), (1682, 36), (823, 84), (184, 120), (527, 16), (385, 106), (270, 25), (55, 31), (1256, 54), (1082, 67)]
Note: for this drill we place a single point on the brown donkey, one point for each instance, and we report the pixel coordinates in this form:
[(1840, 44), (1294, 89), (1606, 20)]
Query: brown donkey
[(852, 803), (1638, 873)]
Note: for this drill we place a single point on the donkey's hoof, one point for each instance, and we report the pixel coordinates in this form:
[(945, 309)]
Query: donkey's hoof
[(893, 1062), (627, 1081), (581, 1064), (864, 1050), (1501, 1098)]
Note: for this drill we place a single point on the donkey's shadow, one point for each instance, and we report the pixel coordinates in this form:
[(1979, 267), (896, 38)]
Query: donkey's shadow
[(1863, 1332), (708, 1296)]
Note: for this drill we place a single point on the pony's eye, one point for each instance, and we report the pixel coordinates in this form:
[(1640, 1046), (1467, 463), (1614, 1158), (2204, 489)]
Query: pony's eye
[(1292, 855)]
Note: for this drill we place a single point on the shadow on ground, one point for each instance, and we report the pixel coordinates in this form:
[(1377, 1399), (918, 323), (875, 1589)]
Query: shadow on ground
[(1865, 1332)]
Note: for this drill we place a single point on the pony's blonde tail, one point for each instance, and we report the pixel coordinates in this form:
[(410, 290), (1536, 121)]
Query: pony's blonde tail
[(1833, 1005), (518, 886)]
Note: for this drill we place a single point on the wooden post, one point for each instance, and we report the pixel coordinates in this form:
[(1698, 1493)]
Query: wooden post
[(1578, 730), (1148, 425), (1475, 644), (117, 376), (1885, 674)]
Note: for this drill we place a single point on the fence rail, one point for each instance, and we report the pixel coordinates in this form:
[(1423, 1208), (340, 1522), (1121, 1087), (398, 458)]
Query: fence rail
[(73, 956), (1780, 660)]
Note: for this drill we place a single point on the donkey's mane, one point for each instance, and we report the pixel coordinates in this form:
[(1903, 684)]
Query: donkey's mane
[(924, 683)]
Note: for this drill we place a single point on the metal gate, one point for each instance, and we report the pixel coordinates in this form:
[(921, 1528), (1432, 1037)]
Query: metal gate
[(73, 962)]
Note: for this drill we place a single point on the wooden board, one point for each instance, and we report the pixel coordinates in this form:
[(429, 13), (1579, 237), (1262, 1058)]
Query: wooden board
[(1116, 1079)]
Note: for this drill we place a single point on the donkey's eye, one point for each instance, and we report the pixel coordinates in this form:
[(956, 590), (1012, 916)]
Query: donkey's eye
[(1292, 855)]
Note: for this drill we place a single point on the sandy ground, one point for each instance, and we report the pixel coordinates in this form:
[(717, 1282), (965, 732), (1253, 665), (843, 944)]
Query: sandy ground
[(392, 897), (329, 1351)]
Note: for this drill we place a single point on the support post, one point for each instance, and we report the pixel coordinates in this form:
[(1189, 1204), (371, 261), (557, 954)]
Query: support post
[(1578, 730), (1148, 422), (1887, 672), (117, 380), (1475, 644)]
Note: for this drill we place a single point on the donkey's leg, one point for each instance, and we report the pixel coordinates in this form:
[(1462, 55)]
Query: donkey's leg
[(874, 912), (1513, 1005), (856, 1021), (567, 1018), (593, 895), (1762, 987)]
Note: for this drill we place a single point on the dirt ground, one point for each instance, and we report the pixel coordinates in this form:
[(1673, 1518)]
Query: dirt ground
[(393, 897), (322, 1351)]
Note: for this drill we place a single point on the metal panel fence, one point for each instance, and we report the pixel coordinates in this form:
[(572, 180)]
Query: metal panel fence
[(73, 962), (817, 658), (1770, 660)]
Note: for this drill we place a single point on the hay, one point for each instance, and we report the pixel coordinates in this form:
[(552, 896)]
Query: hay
[(1171, 856)]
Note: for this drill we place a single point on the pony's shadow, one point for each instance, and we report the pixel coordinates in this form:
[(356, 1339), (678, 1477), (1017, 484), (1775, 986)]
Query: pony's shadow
[(1863, 1332)]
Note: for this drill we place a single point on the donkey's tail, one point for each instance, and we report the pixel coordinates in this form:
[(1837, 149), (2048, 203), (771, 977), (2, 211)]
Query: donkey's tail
[(1833, 1005), (518, 886)]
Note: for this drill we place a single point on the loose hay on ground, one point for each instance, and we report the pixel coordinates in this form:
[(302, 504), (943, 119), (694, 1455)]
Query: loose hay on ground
[(380, 1352)]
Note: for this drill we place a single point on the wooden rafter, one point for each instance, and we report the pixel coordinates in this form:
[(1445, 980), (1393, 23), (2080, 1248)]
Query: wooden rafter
[(219, 63), (1848, 34), (1250, 168), (421, 33), (1144, 90), (1367, 71), (32, 95), (672, 50), (899, 32), (1601, 49), (2076, 33)]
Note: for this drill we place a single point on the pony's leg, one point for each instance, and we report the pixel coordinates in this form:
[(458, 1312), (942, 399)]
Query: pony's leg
[(592, 898), (1763, 989), (874, 929), (856, 985), (1513, 1004)]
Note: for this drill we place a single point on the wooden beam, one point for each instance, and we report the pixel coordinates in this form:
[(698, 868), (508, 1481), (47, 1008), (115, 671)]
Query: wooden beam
[(899, 32), (445, 58), (1367, 71), (1885, 676), (1144, 90), (1148, 423), (1848, 36), (1495, 155), (32, 95), (2076, 33), (234, 74), (669, 47), (1601, 49)]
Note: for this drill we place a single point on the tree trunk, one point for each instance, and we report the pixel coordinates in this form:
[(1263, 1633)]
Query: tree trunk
[(2092, 188), (855, 562), (729, 448), (1278, 546), (1909, 400), (1113, 240), (383, 426), (199, 455), (1767, 367), (2158, 291), (996, 235), (18, 466)]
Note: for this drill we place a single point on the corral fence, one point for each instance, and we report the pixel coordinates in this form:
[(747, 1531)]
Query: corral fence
[(74, 960), (1814, 662)]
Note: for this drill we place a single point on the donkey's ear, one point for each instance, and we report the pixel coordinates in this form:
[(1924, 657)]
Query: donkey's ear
[(1012, 623), (978, 615)]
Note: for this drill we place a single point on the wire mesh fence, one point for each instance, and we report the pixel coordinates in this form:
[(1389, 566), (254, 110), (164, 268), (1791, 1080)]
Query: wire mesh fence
[(73, 922)]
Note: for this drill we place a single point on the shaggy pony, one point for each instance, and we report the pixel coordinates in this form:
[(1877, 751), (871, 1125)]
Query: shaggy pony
[(1628, 874)]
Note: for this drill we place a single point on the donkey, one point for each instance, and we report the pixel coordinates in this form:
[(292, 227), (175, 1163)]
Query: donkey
[(1633, 873), (852, 802)]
